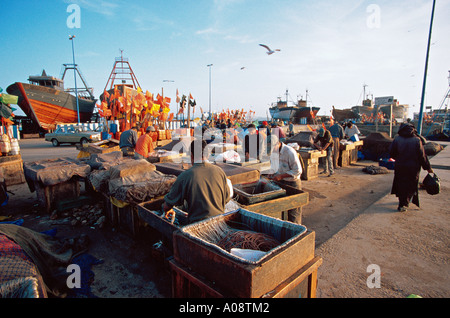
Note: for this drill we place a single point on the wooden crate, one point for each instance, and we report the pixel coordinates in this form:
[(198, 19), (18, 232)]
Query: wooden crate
[(354, 152), (187, 284), (104, 146), (279, 207), (310, 163), (345, 154), (125, 218), (12, 167), (128, 220), (148, 213), (110, 211), (49, 196), (259, 191), (242, 278)]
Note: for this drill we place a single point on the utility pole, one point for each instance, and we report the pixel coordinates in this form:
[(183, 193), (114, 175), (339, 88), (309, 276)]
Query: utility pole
[(210, 114), (419, 128), (71, 37)]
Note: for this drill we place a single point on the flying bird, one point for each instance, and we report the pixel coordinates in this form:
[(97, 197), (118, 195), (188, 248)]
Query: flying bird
[(269, 51), (242, 68)]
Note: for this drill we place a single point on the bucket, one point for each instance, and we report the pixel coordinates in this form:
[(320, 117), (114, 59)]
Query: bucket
[(15, 149)]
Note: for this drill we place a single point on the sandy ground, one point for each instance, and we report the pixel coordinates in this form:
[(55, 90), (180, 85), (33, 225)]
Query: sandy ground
[(356, 225)]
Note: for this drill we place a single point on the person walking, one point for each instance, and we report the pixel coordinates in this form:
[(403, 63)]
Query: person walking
[(408, 152)]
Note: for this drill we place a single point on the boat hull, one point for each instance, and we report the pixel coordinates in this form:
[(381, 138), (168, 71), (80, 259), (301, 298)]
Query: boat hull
[(294, 114), (343, 114), (398, 111), (363, 110), (48, 107)]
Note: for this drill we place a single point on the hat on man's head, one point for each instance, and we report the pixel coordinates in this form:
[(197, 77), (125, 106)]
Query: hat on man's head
[(150, 128), (321, 132)]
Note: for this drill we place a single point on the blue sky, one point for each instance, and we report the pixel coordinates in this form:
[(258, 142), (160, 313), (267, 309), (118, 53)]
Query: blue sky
[(330, 48)]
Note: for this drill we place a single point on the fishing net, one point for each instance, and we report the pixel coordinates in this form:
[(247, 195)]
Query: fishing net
[(243, 230), (248, 240)]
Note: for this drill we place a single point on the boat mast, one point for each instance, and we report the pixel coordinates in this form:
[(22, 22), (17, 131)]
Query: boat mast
[(364, 92)]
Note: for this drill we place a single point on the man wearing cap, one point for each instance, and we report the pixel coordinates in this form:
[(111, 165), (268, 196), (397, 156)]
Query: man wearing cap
[(324, 142), (128, 140), (144, 145)]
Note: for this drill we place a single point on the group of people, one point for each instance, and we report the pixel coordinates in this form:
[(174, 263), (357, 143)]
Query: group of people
[(139, 147), (328, 140), (204, 189), (407, 150)]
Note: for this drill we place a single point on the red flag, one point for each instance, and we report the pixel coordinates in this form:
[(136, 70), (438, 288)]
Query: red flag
[(105, 95)]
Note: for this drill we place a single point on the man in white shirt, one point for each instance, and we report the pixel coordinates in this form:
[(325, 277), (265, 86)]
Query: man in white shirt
[(351, 130), (285, 164)]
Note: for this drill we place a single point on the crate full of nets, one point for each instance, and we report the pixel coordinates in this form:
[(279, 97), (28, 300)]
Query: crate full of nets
[(255, 192), (242, 253)]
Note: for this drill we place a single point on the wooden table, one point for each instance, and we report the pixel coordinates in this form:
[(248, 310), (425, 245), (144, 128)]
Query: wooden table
[(311, 160), (348, 153)]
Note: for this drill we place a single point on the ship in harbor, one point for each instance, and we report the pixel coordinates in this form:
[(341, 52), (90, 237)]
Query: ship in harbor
[(298, 113), (47, 103), (372, 109)]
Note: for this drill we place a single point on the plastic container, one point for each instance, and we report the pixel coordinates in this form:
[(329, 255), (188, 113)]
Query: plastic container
[(105, 135), (5, 144), (15, 149), (114, 128)]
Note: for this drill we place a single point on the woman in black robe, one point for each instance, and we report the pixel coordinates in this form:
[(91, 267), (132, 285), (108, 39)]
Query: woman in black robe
[(409, 154)]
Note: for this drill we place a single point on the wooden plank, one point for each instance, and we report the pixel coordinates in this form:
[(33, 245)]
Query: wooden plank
[(309, 272), (10, 158), (236, 174), (294, 198), (182, 280)]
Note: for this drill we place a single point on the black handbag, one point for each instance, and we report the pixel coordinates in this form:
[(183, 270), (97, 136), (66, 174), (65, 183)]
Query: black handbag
[(432, 184)]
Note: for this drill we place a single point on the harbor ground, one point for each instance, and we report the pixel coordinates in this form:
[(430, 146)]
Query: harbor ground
[(352, 213)]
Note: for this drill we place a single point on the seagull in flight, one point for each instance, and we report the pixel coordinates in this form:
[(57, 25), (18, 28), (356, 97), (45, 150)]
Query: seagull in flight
[(269, 51)]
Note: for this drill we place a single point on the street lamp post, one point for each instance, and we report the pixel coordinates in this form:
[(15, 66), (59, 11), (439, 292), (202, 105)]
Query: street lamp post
[(71, 37), (210, 114)]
